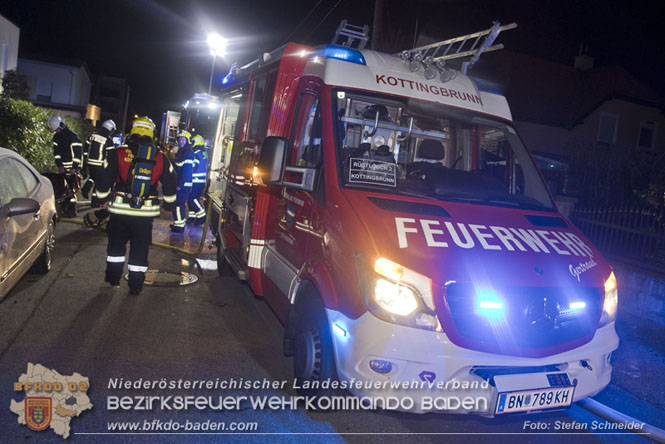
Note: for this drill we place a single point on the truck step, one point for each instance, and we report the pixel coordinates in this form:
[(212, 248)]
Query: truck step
[(237, 263)]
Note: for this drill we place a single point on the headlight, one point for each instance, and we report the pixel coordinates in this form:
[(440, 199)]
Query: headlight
[(397, 294), (395, 298), (611, 301)]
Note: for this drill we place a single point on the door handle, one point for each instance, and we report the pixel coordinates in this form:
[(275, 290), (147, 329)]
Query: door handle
[(36, 215)]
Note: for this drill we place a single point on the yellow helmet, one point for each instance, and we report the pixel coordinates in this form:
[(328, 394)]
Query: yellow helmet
[(198, 141), (186, 134), (143, 126)]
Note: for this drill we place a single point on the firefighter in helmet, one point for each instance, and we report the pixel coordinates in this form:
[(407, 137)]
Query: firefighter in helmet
[(129, 180), (68, 153), (184, 163), (197, 212), (95, 151)]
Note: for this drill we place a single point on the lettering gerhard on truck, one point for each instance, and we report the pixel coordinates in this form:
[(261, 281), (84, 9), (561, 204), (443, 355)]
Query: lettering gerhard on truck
[(387, 210)]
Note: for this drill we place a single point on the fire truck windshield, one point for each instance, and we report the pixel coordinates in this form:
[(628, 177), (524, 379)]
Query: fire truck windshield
[(417, 148)]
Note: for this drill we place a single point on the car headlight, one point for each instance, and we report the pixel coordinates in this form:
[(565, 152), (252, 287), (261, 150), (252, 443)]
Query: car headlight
[(611, 301), (397, 294)]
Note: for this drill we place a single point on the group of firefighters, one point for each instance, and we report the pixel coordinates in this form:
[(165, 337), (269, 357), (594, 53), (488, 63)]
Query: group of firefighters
[(122, 182)]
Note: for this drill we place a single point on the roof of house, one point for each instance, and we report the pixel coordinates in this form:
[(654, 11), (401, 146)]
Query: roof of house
[(58, 61), (551, 93)]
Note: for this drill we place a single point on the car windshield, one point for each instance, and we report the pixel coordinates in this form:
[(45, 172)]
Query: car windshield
[(416, 148)]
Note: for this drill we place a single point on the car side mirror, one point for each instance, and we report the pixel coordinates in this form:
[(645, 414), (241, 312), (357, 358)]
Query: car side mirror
[(272, 159), (20, 205)]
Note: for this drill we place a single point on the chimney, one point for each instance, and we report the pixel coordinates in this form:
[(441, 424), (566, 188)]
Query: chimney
[(583, 61)]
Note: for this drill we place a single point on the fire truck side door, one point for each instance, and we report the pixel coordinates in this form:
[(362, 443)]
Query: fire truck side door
[(293, 224)]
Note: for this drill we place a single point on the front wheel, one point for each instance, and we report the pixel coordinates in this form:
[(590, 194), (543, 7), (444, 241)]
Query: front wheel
[(45, 260), (313, 357)]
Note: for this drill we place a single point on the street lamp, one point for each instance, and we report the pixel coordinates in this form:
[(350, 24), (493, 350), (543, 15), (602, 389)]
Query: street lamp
[(217, 45)]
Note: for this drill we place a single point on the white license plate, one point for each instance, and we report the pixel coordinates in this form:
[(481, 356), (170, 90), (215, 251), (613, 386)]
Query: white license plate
[(538, 399)]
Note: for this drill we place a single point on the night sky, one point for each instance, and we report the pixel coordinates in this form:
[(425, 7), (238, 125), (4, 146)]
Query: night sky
[(159, 46)]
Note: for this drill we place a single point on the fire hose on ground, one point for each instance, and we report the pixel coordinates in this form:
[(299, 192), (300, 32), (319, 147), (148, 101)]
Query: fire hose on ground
[(193, 255)]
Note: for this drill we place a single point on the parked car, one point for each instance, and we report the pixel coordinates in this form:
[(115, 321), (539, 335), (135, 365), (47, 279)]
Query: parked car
[(27, 220)]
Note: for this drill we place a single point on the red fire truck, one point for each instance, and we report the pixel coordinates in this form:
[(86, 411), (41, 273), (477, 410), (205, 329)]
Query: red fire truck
[(388, 211)]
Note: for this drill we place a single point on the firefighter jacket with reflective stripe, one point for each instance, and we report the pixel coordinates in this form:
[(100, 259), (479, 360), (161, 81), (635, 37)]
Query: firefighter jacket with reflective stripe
[(200, 166), (184, 164), (114, 183), (67, 149), (96, 148)]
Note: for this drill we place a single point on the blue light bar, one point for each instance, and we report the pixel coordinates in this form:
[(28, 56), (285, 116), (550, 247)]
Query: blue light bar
[(341, 53), (491, 305)]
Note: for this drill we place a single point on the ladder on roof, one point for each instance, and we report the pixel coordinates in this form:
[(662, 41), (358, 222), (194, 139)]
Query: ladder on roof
[(439, 53), (354, 35)]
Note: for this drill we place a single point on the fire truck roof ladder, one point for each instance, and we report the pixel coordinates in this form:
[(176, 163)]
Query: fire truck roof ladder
[(439, 53), (357, 35)]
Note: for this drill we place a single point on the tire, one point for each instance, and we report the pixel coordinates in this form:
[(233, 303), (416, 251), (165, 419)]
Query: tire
[(44, 262), (223, 267), (313, 353)]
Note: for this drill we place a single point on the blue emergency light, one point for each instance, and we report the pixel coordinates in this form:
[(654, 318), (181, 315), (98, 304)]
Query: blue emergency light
[(340, 53), (489, 304)]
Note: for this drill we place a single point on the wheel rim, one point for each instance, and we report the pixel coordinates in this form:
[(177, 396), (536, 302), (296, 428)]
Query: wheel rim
[(50, 246), (308, 354)]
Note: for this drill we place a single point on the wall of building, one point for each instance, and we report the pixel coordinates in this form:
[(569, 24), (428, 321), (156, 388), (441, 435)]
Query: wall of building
[(630, 115), (9, 36), (58, 84), (543, 139)]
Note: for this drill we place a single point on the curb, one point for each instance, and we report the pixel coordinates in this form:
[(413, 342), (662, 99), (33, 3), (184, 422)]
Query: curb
[(595, 407)]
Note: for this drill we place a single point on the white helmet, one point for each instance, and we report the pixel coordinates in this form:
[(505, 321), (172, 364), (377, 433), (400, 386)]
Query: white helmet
[(109, 125), (55, 123)]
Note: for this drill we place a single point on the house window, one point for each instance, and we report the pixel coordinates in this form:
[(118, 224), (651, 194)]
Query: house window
[(647, 135), (44, 90), (607, 128)]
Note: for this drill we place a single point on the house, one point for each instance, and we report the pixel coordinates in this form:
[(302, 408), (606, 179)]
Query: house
[(561, 110), (9, 36), (62, 85), (111, 94)]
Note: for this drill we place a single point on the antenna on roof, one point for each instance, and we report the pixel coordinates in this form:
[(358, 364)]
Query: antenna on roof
[(434, 57), (353, 34)]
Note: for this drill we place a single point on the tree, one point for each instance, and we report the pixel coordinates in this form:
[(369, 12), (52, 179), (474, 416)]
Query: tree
[(15, 85)]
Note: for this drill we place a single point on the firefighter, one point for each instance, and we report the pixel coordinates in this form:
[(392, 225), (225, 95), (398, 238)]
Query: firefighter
[(197, 212), (129, 180), (184, 163), (68, 153), (95, 151)]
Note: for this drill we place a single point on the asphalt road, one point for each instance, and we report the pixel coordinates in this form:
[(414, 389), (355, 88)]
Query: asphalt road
[(70, 321)]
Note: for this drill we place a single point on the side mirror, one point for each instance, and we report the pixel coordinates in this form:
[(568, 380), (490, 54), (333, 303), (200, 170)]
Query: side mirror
[(273, 159), (20, 205)]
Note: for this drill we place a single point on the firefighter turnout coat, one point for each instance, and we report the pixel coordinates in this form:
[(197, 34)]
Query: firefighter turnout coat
[(96, 148), (67, 149), (94, 153)]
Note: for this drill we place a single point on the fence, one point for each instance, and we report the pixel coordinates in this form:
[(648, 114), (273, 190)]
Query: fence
[(631, 235)]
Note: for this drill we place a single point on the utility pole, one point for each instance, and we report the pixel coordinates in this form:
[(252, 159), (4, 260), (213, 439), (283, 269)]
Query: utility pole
[(377, 27)]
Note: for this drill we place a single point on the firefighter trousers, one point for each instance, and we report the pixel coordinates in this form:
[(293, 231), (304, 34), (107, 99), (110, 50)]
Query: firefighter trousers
[(94, 171), (180, 210), (137, 230), (197, 211)]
